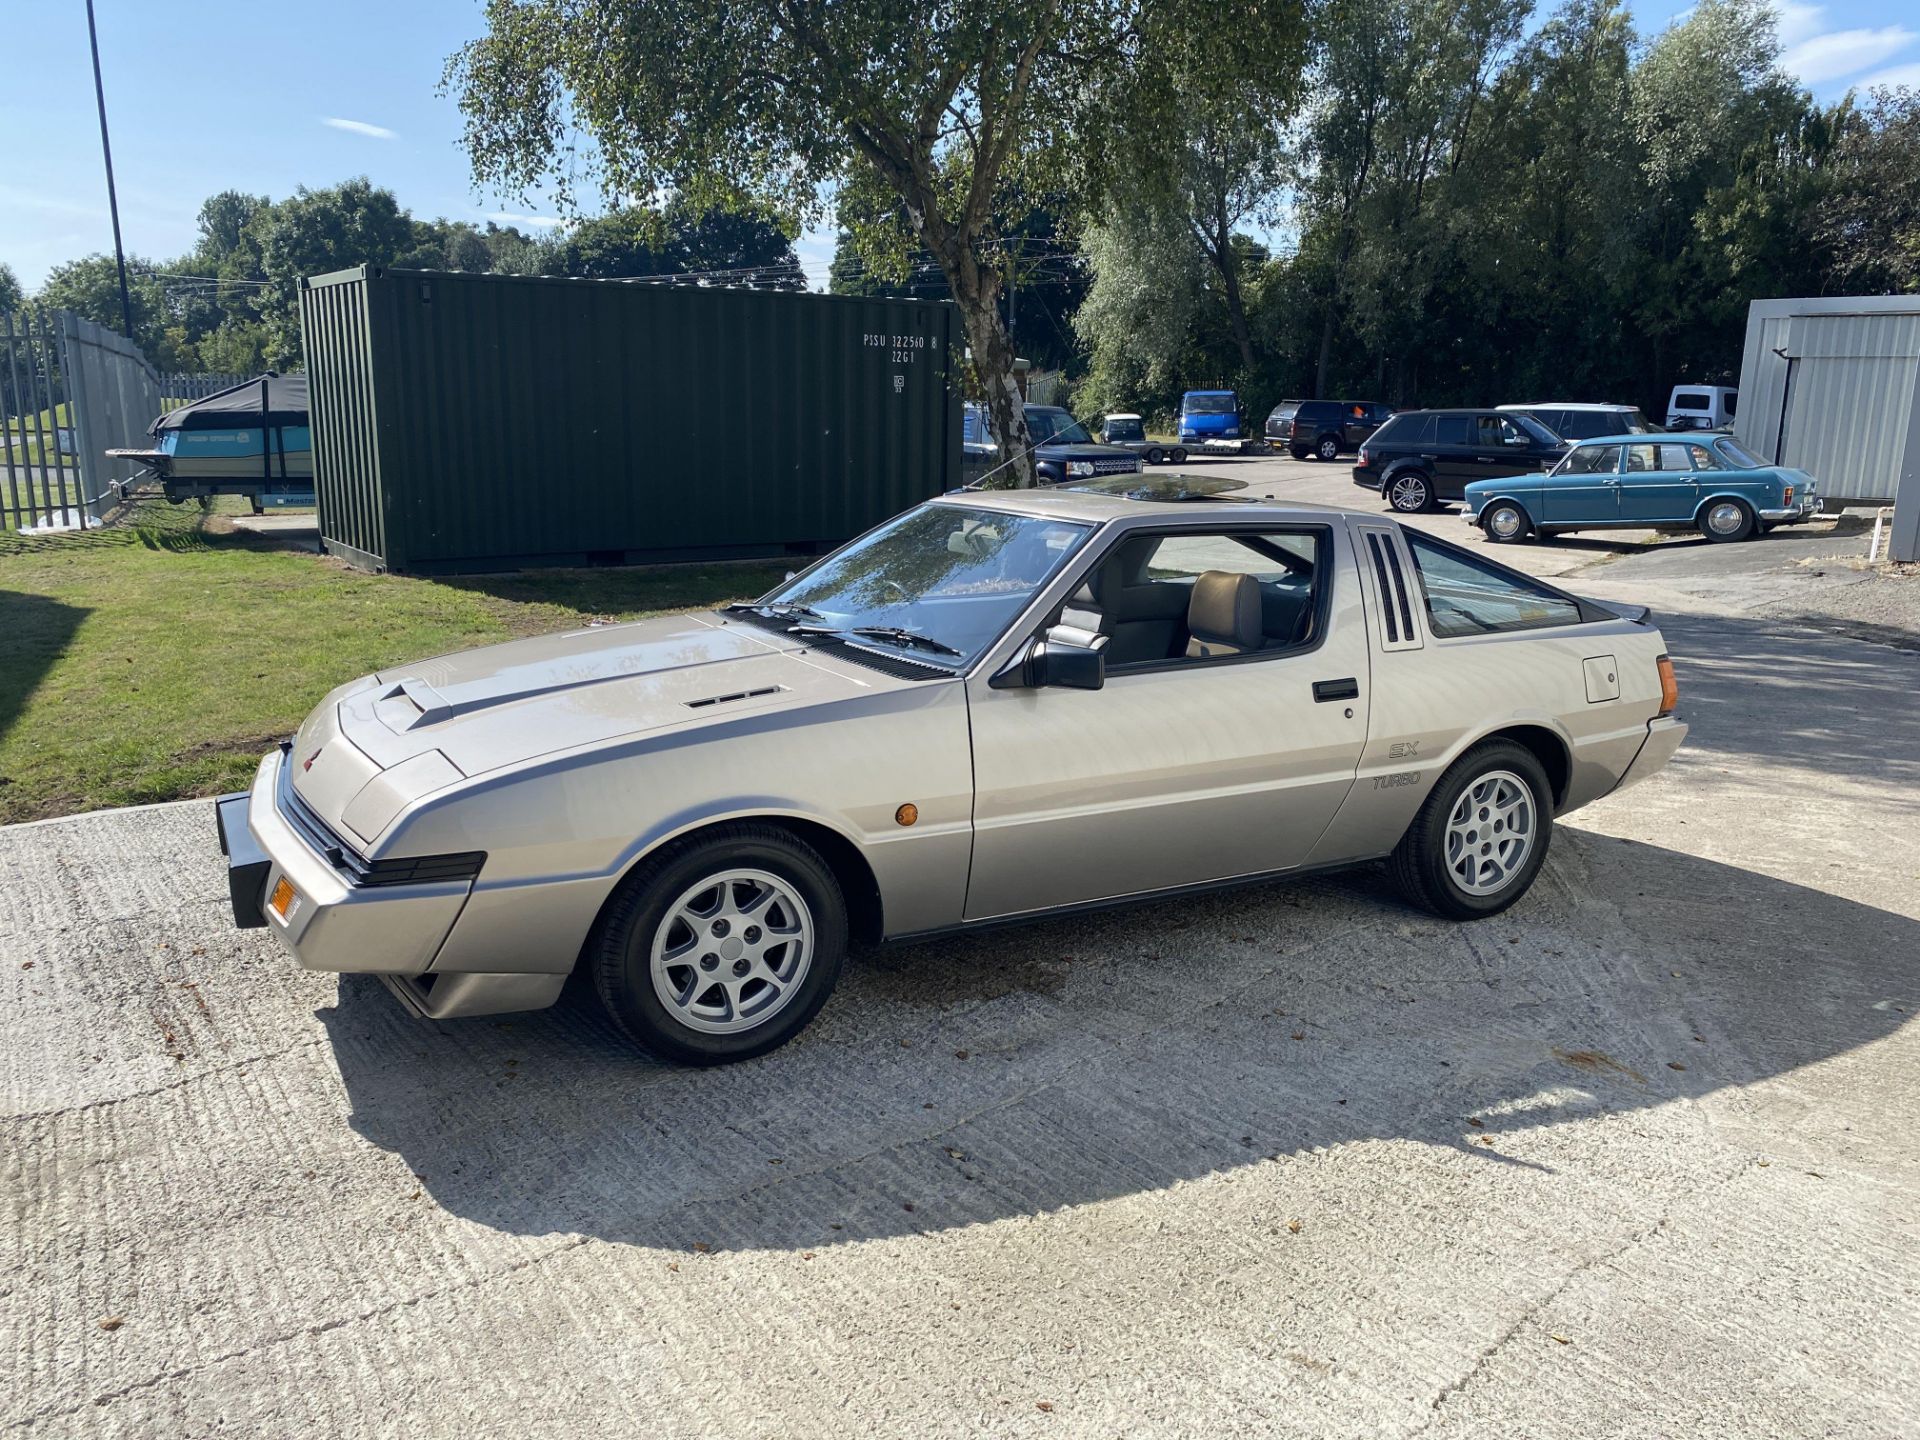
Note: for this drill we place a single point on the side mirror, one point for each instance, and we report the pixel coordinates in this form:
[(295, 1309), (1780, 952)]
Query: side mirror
[(1066, 657), (1517, 440)]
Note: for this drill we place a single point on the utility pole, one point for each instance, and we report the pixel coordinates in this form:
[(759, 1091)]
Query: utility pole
[(113, 204)]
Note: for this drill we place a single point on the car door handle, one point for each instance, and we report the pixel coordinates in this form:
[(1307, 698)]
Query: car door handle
[(1483, 459), (1425, 456), (1347, 689)]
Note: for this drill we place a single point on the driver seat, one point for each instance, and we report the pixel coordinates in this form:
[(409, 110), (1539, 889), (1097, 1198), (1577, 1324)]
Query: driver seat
[(1223, 617)]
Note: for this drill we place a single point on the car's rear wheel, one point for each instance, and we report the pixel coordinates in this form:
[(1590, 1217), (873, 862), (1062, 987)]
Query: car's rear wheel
[(1328, 448), (721, 948), (1410, 492), (1505, 522), (1178, 455), (1726, 520), (1481, 836), (1155, 455)]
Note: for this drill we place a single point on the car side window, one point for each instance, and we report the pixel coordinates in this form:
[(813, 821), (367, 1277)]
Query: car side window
[(1466, 596), (1453, 430), (1172, 599), (1703, 458), (1640, 457), (1592, 460)]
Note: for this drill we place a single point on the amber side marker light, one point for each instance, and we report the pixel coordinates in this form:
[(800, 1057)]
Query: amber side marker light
[(282, 898), (906, 814), (1669, 687)]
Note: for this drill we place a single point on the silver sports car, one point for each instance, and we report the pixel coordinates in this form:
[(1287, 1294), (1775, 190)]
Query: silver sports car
[(993, 707)]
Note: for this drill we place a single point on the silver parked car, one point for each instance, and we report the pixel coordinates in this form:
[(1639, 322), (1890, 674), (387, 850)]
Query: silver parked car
[(995, 706)]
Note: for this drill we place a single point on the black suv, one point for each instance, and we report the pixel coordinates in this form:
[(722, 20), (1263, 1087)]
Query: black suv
[(1326, 428), (1422, 457)]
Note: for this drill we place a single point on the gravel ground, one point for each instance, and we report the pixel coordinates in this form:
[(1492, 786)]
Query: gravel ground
[(1636, 1159)]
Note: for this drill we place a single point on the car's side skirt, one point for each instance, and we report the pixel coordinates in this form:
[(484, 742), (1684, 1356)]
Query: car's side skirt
[(1137, 897)]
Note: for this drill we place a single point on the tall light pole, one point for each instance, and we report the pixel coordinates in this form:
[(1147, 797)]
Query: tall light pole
[(113, 204)]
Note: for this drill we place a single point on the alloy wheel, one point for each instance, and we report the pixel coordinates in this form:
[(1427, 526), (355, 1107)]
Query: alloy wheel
[(1490, 832), (1408, 493), (731, 951)]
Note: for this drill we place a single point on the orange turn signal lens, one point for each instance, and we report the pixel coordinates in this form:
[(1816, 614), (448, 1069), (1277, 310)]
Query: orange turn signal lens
[(282, 899), (1669, 687)]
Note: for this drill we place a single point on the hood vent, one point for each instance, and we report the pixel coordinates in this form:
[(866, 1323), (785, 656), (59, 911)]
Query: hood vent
[(736, 695)]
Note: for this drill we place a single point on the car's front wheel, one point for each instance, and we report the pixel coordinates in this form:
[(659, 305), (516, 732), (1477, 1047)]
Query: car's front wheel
[(1328, 448), (1410, 492), (1155, 455), (721, 948), (1505, 522), (1481, 836), (1178, 455)]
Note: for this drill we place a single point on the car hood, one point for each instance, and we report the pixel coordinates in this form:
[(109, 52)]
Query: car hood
[(372, 747), (1079, 450)]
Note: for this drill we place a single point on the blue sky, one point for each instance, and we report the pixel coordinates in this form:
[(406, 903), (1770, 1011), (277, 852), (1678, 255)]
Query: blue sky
[(262, 97)]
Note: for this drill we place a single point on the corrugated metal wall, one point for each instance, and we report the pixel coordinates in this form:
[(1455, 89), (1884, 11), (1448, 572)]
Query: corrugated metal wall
[(1835, 391), (483, 422)]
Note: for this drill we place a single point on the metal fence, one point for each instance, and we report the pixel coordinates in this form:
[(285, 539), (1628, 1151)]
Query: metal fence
[(183, 389), (69, 391)]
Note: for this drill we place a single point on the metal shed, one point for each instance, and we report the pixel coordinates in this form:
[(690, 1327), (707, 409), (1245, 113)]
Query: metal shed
[(1832, 386), (466, 423)]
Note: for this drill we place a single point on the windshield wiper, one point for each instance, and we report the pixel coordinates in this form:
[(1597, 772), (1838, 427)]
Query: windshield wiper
[(892, 634), (779, 610)]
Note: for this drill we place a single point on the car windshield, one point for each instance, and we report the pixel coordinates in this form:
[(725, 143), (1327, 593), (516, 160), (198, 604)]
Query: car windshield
[(1049, 426), (943, 581), (1738, 454), (1126, 430), (1207, 405), (1541, 434)]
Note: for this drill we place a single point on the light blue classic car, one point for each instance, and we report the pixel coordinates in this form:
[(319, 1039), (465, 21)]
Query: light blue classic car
[(1709, 483)]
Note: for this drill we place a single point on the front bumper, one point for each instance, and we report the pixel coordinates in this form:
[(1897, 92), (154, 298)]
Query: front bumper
[(330, 923)]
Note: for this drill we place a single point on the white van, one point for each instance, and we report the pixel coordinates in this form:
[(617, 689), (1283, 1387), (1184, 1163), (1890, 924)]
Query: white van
[(1702, 407)]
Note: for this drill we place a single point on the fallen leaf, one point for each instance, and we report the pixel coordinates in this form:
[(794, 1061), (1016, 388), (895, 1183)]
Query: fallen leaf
[(673, 1265), (906, 1205), (836, 1225), (1559, 1339), (26, 964), (113, 1322), (906, 1044), (1299, 1034), (806, 1255), (1475, 1121), (1046, 1405), (1764, 1163), (700, 1247), (776, 1162), (956, 1154), (1675, 1065), (960, 1054), (1293, 1227)]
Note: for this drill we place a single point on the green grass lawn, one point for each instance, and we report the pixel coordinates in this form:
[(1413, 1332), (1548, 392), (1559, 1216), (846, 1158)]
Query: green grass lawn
[(159, 660)]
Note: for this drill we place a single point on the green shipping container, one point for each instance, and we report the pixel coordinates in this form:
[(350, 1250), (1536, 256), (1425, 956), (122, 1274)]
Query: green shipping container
[(466, 423)]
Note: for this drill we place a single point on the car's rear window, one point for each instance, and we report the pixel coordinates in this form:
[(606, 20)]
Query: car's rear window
[(1468, 596), (1285, 410), (1402, 430), (1689, 400)]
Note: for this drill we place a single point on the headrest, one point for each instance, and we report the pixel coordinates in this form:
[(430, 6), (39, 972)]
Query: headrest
[(1225, 608)]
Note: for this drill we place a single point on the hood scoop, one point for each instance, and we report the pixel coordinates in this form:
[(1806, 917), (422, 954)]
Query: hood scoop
[(729, 698)]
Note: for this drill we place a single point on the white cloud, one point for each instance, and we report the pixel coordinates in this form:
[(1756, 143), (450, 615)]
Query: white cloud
[(1841, 53), (1908, 75), (358, 127), (538, 222), (1797, 23)]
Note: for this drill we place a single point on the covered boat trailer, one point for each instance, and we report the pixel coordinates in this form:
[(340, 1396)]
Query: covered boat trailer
[(250, 439)]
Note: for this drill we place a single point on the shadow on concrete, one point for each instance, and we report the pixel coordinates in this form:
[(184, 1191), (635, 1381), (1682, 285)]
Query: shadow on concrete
[(36, 631), (1017, 1072)]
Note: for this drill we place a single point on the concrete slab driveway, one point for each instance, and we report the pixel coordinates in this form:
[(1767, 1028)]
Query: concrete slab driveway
[(1636, 1159)]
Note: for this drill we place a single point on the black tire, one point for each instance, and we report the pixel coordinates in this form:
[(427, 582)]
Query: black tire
[(1328, 449), (1408, 491), (1155, 455), (1708, 521), (1419, 863), (1177, 455), (619, 951), (1505, 523)]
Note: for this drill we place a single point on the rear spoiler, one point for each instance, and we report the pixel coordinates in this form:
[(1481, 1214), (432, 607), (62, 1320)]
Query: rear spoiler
[(1637, 614)]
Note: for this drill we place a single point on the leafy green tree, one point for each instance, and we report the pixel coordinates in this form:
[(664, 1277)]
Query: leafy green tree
[(1868, 224), (12, 297), (313, 232), (773, 103), (1142, 309), (90, 287)]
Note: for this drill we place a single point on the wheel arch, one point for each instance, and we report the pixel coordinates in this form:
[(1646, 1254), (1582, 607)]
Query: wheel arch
[(1715, 496), (1549, 747), (858, 885)]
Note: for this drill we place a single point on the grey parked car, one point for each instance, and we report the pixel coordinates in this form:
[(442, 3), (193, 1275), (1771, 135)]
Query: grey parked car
[(993, 707)]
